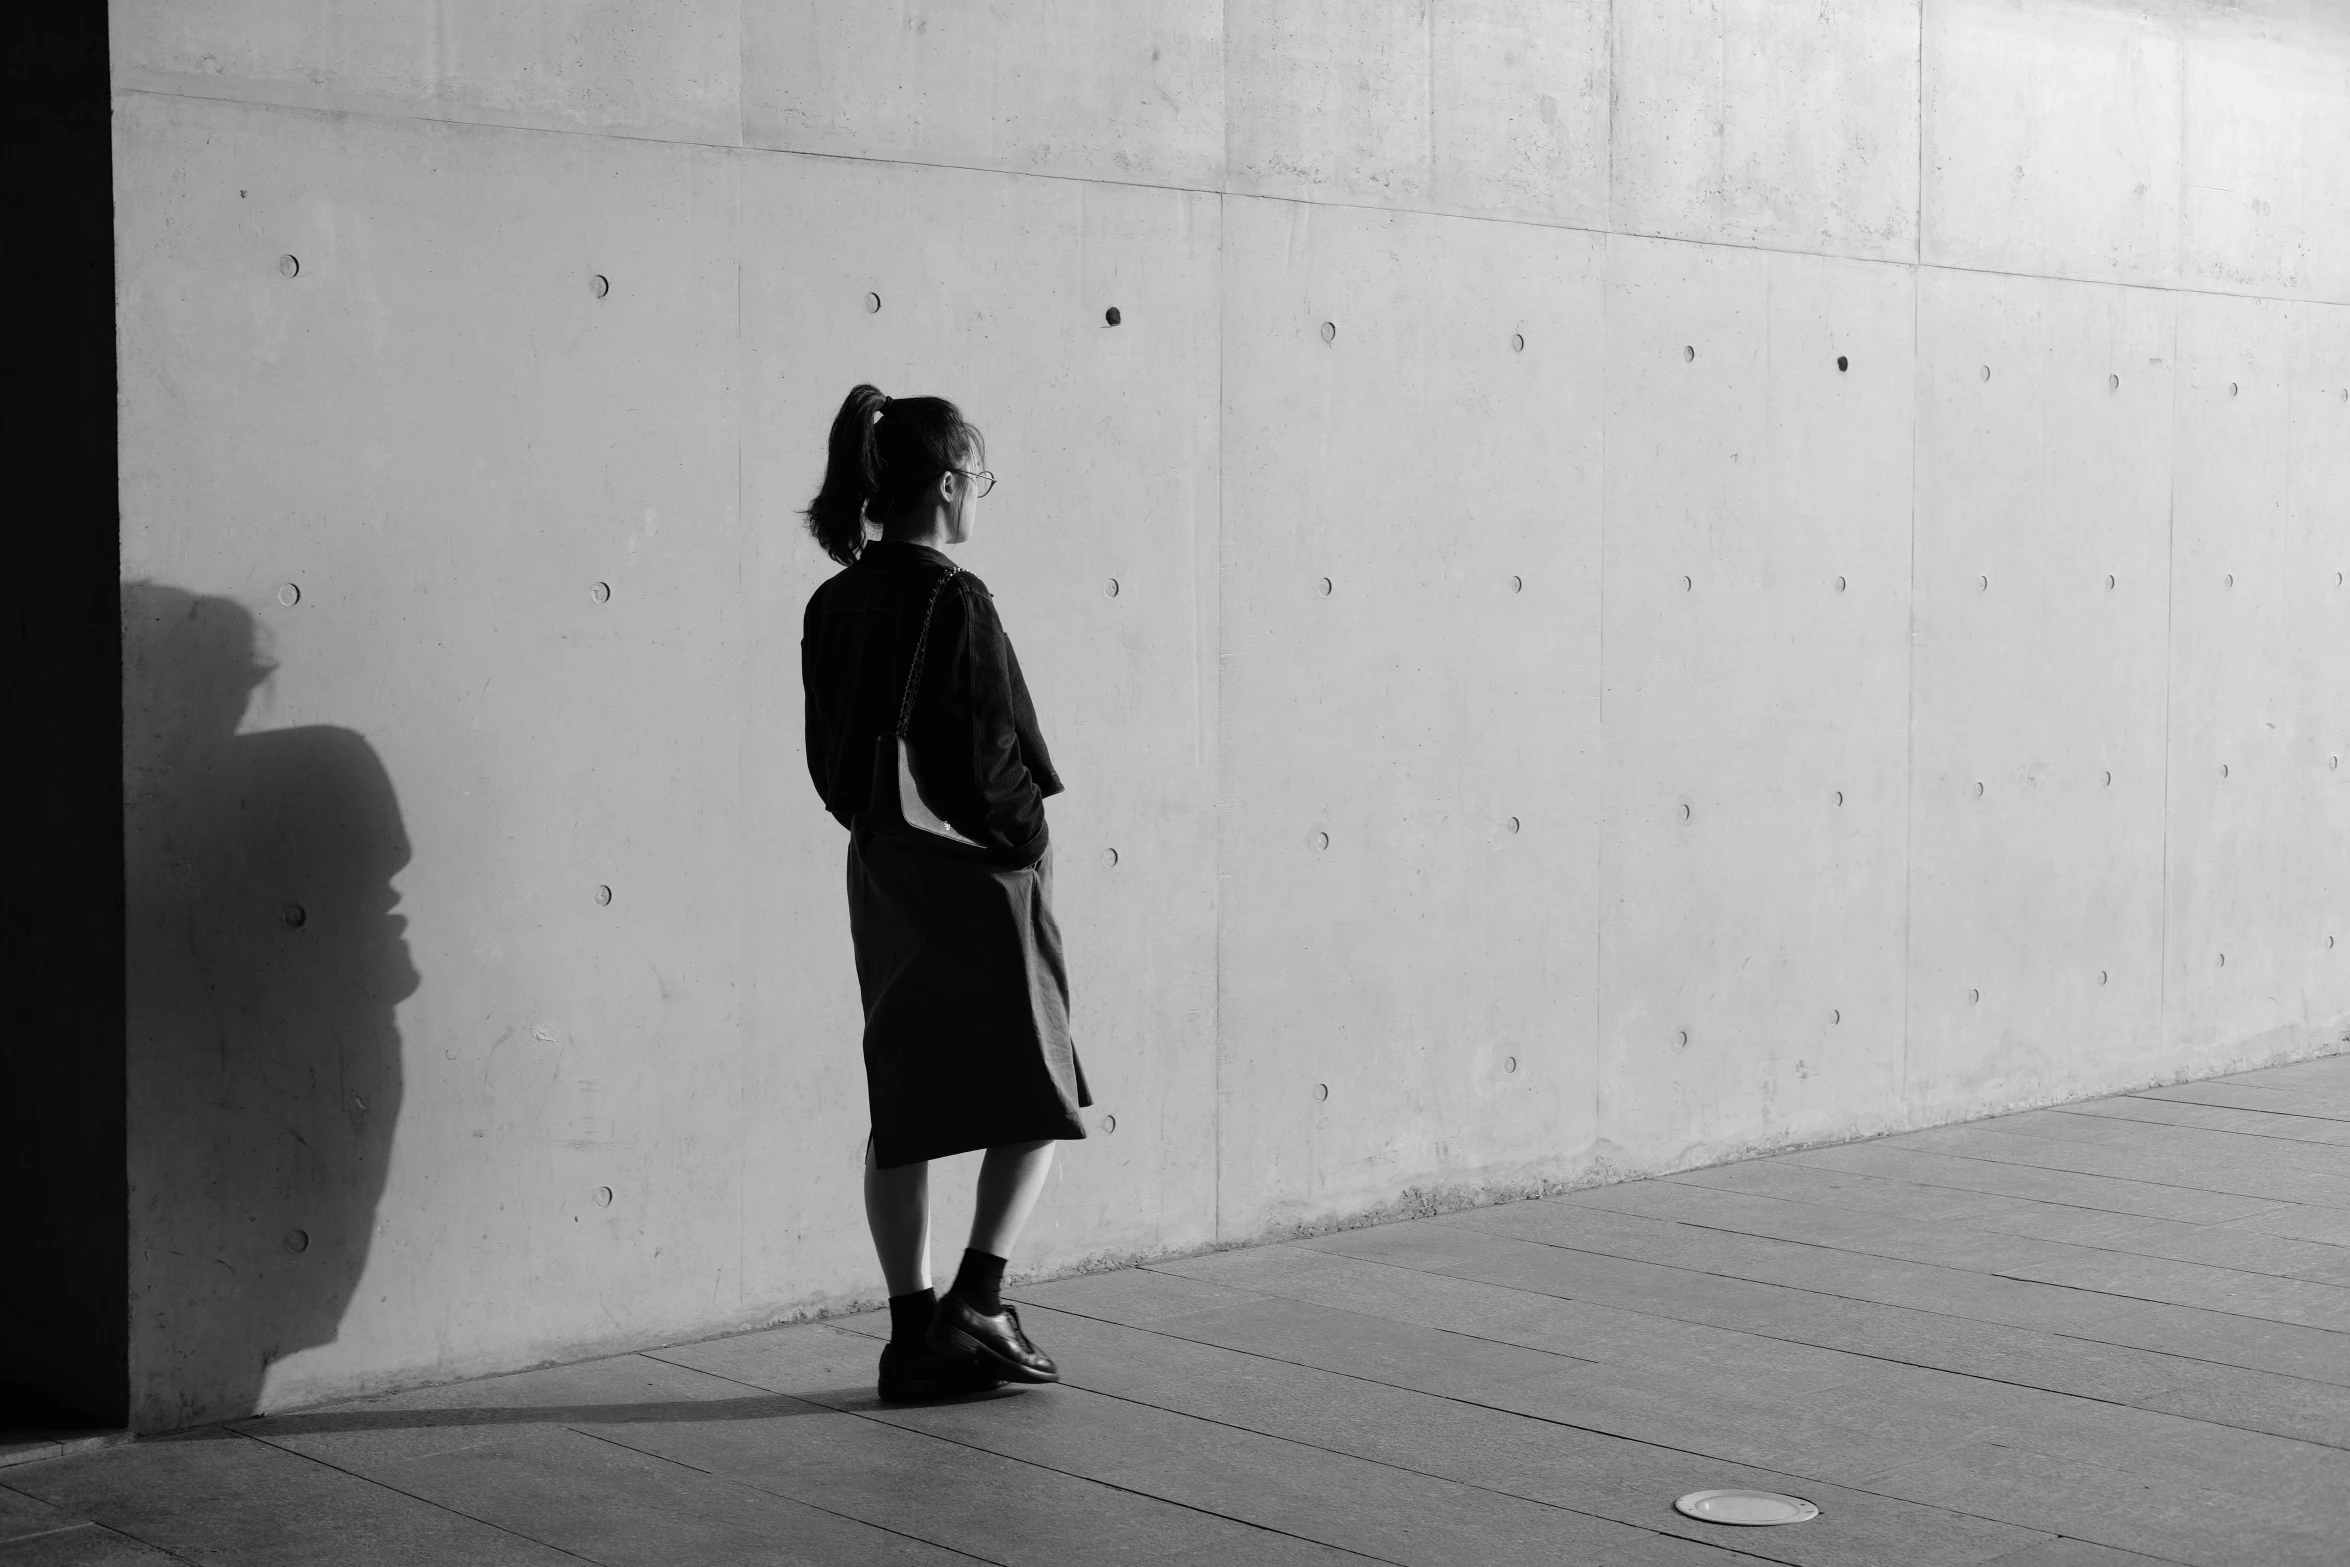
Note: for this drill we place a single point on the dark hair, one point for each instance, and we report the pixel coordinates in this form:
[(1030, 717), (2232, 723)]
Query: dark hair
[(878, 467)]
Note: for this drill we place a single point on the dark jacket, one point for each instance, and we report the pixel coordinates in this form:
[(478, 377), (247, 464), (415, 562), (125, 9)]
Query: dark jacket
[(977, 753)]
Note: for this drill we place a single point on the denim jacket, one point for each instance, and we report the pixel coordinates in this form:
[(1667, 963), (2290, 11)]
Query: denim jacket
[(977, 752)]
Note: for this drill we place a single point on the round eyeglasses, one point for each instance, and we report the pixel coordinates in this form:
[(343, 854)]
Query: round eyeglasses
[(986, 479)]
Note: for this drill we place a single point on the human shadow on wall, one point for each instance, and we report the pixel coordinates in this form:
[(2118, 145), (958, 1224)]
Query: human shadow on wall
[(263, 965)]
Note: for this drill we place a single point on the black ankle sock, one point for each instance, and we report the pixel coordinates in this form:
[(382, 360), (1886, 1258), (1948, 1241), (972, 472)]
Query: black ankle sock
[(980, 1281), (909, 1316)]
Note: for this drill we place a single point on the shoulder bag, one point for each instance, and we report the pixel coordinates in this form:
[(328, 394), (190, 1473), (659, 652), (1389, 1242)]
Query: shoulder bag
[(895, 793)]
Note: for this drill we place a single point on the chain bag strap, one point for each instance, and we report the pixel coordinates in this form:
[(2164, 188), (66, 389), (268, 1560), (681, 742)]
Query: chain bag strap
[(912, 808)]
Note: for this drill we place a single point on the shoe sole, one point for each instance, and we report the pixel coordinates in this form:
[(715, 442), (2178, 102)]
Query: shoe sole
[(963, 1341), (936, 1395)]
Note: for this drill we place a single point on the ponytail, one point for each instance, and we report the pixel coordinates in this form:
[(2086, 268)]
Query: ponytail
[(836, 517), (878, 467)]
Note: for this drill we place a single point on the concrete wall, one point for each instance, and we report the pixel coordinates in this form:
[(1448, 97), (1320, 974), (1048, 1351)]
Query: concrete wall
[(1685, 578)]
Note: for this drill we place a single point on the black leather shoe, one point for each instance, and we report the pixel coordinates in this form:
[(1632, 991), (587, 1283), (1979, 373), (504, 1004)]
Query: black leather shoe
[(913, 1373), (995, 1341)]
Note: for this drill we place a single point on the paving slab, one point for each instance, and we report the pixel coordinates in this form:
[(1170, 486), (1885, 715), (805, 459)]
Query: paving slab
[(2328, 1226), (1361, 1344), (604, 1500), (1517, 1453), (217, 1496), (2247, 1096), (2227, 1290), (362, 1435), (1278, 1485), (2068, 1361), (1860, 1192), (2057, 1126), (84, 1545), (2216, 1118), (1141, 1295), (875, 1464), (2306, 1411), (1888, 1281), (2149, 1443), (2322, 1073), (1571, 1327), (2076, 1553), (1866, 1228), (616, 1502), (22, 1515), (1952, 1243), (2195, 1525), (2104, 1335), (2232, 1246), (1710, 1407), (1875, 1406), (2179, 1157), (2076, 1188)]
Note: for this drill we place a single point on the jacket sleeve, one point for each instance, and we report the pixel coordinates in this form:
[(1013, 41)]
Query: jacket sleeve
[(966, 751)]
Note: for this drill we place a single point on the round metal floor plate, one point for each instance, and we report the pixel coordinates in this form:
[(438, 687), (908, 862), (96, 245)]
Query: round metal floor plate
[(1751, 1508)]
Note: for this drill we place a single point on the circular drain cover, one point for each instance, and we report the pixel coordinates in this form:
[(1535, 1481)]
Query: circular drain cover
[(1745, 1507)]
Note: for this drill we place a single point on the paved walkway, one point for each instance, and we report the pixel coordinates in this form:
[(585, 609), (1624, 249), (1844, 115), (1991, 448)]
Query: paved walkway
[(2088, 1337)]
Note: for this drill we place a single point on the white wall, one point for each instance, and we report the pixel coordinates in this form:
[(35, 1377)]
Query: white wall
[(1576, 807)]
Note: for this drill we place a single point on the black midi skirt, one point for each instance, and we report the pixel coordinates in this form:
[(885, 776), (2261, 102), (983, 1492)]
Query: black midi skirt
[(966, 1001)]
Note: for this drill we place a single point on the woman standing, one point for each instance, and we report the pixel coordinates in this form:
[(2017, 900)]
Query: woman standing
[(950, 877)]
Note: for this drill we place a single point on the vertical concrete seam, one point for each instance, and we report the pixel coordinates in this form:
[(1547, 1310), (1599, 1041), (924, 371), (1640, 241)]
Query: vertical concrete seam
[(1222, 750), (1721, 190), (1599, 836), (1608, 209), (2170, 544), (1917, 233), (1909, 781), (1428, 77), (742, 759), (440, 56), (1909, 764), (2170, 592), (1223, 185)]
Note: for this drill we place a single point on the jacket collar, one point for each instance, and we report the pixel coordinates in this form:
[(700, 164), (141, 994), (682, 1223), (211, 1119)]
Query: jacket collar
[(891, 552)]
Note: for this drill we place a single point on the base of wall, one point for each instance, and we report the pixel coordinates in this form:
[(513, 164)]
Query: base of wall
[(2279, 1047)]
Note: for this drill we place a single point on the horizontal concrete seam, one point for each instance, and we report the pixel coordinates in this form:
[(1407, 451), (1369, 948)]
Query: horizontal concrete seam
[(1241, 195)]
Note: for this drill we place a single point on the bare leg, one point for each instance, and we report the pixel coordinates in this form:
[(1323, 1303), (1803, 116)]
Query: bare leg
[(897, 1210), (1011, 1178)]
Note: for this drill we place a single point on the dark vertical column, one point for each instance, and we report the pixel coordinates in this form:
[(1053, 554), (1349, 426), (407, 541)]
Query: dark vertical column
[(64, 1325)]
